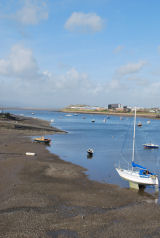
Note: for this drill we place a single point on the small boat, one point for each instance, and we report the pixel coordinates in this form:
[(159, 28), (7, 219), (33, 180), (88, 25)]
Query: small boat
[(90, 151), (139, 124), (52, 120), (148, 122), (93, 120), (33, 113), (150, 146), (42, 140), (68, 115)]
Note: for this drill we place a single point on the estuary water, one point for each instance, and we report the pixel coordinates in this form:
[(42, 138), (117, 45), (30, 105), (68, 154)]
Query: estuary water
[(111, 139)]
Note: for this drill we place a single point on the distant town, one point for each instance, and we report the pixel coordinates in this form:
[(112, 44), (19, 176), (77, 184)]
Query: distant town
[(116, 108)]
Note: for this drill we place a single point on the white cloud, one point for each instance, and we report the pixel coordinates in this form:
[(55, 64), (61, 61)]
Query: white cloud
[(139, 80), (4, 65), (152, 90), (84, 22), (114, 84), (18, 70), (148, 95), (49, 89), (32, 12), (20, 62), (131, 68), (71, 80)]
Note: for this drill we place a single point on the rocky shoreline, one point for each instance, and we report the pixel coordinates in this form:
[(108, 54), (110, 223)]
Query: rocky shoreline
[(44, 196)]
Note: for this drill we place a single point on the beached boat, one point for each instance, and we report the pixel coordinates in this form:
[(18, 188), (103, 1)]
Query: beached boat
[(42, 140), (138, 176), (150, 146)]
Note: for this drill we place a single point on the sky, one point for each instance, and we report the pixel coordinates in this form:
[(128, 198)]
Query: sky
[(54, 53)]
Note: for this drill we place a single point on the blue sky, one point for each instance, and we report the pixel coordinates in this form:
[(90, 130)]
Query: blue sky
[(60, 52)]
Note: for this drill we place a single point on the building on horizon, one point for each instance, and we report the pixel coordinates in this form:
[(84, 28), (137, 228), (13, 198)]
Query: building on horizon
[(115, 106)]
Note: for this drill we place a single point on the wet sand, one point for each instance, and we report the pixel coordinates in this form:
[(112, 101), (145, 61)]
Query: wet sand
[(44, 196)]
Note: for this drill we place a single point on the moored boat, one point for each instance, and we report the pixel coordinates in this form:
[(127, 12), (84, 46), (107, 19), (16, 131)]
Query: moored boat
[(90, 151), (150, 146), (138, 176), (139, 124)]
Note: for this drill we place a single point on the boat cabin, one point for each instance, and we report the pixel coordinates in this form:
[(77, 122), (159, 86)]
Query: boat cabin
[(145, 172)]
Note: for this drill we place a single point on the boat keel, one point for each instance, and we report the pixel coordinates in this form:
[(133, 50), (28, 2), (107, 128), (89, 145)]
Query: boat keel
[(141, 186), (157, 188), (133, 185), (136, 185)]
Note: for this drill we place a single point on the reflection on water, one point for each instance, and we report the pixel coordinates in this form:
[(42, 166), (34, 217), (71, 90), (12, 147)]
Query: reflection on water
[(150, 196), (111, 141), (89, 156)]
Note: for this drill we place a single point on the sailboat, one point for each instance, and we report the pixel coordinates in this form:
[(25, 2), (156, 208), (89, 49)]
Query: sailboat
[(138, 176)]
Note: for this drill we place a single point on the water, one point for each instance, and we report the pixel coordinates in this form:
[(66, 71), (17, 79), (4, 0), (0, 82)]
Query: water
[(111, 141)]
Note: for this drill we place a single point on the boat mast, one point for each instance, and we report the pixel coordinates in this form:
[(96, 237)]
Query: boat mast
[(134, 134)]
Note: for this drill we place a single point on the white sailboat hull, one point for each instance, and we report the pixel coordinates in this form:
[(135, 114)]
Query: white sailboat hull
[(133, 176)]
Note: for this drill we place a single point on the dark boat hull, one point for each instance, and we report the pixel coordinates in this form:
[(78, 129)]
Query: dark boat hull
[(42, 141), (150, 147)]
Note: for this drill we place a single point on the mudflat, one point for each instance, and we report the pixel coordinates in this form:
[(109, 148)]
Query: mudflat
[(44, 196)]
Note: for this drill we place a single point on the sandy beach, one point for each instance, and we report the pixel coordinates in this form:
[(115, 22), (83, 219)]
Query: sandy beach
[(44, 196)]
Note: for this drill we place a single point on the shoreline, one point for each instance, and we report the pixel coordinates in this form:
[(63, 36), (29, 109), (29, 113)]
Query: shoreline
[(123, 114), (45, 196)]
